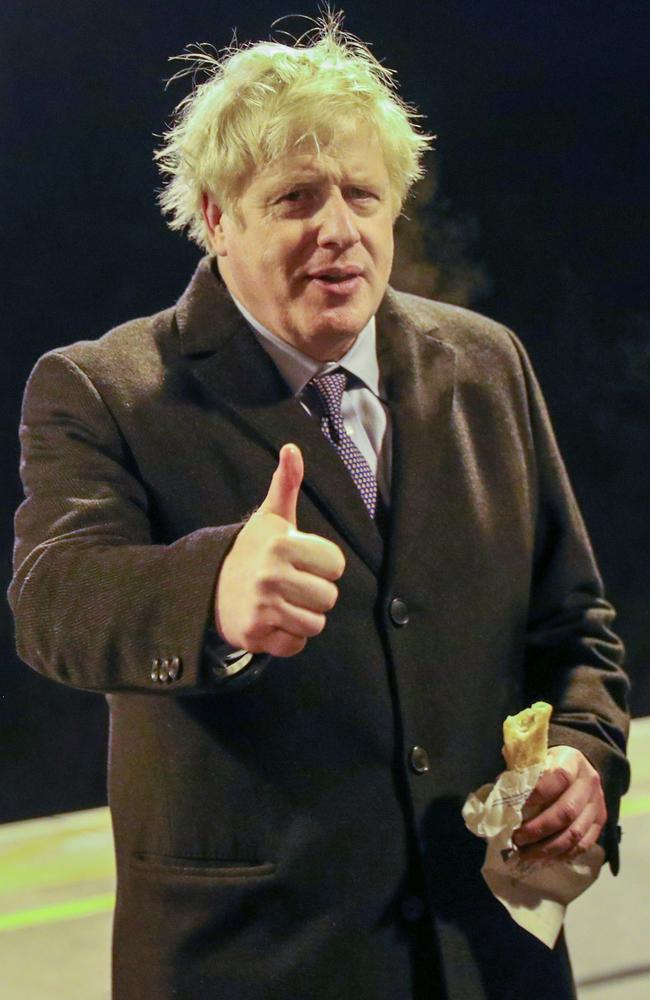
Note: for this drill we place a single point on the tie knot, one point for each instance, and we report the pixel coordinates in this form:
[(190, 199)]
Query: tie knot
[(331, 387)]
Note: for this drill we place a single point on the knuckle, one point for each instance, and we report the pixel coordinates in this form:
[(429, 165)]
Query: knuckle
[(587, 767), (279, 547), (264, 581), (574, 836), (595, 786), (568, 812), (268, 580)]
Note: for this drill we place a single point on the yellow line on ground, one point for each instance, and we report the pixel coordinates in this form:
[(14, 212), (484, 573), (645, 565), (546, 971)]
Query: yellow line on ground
[(635, 805), (70, 910)]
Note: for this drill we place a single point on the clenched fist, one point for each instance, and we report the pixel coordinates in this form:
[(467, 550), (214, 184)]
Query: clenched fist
[(277, 583), (568, 809)]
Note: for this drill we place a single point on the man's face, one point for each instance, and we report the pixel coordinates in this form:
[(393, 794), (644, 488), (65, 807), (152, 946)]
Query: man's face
[(310, 249)]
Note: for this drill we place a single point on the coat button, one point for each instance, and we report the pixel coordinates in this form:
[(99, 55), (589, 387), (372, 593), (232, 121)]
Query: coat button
[(175, 668), (412, 908), (164, 671), (419, 759), (398, 611), (155, 670)]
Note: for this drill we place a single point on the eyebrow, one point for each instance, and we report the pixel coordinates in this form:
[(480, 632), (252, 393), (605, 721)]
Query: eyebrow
[(306, 175), (310, 175)]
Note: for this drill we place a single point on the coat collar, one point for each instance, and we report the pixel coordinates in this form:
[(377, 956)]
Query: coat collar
[(206, 316), (417, 370)]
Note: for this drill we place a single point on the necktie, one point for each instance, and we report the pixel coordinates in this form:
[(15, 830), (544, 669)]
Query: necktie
[(330, 388)]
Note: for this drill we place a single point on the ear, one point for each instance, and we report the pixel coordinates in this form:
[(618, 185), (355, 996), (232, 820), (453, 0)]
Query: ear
[(212, 216)]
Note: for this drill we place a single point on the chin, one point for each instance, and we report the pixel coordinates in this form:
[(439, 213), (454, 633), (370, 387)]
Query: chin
[(346, 320)]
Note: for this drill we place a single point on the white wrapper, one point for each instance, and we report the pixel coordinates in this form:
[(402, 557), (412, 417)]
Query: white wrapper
[(535, 895)]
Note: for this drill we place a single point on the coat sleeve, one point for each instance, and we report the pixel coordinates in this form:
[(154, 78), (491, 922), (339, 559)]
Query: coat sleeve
[(573, 658), (96, 604)]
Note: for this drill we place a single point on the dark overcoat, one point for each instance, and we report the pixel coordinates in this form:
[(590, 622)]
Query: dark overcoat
[(296, 835)]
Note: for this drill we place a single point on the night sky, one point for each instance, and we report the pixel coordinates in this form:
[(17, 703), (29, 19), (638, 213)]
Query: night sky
[(539, 216)]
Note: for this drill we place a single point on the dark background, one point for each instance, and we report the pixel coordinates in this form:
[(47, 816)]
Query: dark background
[(537, 214)]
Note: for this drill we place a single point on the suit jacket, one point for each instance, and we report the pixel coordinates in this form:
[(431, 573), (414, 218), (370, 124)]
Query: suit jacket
[(297, 836)]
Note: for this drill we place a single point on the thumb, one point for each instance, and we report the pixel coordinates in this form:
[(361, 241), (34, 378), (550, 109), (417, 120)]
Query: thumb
[(282, 497)]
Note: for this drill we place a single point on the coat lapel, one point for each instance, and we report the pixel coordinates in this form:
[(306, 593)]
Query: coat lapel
[(236, 374), (417, 371)]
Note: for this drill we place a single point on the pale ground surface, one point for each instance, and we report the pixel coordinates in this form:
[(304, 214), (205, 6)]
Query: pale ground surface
[(57, 884), (608, 928)]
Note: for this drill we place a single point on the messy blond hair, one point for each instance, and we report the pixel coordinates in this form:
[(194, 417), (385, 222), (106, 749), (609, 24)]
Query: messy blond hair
[(261, 101)]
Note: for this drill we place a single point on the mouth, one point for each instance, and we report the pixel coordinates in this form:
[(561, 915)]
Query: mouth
[(339, 281)]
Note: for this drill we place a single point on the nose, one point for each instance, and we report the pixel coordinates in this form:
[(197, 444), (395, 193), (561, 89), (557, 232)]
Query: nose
[(337, 224)]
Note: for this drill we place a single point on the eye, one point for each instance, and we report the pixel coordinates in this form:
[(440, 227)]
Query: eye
[(360, 193), (296, 195)]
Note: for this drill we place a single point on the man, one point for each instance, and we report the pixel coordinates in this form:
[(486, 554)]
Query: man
[(302, 697)]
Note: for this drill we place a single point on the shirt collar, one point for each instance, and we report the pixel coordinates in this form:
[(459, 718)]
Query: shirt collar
[(298, 368)]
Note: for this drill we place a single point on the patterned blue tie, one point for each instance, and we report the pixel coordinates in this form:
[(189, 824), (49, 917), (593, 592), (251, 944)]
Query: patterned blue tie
[(330, 388)]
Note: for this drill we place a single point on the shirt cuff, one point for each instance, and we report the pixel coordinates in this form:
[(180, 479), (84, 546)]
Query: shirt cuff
[(229, 666)]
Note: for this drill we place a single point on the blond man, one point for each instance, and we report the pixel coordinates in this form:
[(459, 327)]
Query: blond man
[(314, 540)]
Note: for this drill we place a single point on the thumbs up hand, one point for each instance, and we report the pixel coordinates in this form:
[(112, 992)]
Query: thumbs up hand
[(277, 583)]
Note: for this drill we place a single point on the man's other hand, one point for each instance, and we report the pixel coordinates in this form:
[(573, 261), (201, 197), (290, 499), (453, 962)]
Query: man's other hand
[(568, 806), (277, 583)]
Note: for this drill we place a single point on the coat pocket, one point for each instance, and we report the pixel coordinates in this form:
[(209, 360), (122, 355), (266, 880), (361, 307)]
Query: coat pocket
[(204, 867)]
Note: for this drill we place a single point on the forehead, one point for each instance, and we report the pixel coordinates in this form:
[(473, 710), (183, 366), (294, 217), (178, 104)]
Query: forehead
[(358, 157)]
